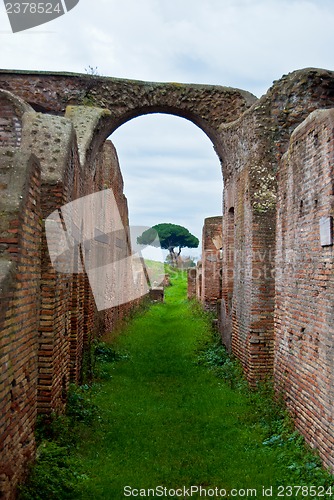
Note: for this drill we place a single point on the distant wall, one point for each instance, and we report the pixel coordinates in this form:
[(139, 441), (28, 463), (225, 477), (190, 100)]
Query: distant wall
[(211, 262), (191, 277)]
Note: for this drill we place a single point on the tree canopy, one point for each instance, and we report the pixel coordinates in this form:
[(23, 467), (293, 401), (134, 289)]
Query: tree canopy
[(170, 236)]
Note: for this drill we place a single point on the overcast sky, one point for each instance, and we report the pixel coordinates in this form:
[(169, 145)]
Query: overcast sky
[(170, 170)]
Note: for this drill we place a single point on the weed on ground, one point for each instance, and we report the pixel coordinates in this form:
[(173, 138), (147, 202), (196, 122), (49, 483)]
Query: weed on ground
[(169, 411)]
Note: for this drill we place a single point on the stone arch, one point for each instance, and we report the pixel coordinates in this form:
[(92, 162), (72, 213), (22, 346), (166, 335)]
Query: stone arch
[(207, 106), (113, 124), (109, 123)]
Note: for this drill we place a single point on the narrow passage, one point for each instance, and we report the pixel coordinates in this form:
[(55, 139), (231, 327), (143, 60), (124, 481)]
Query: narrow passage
[(168, 422)]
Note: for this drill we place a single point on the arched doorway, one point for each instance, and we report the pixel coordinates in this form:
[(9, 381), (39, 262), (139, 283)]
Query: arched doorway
[(171, 172)]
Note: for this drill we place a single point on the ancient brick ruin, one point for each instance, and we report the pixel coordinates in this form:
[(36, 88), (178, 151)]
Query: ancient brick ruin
[(267, 261)]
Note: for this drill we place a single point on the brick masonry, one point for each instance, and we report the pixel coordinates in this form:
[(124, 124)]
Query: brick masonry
[(254, 229), (253, 146), (191, 278), (304, 312), (273, 289), (19, 286), (211, 262), (47, 318), (206, 105)]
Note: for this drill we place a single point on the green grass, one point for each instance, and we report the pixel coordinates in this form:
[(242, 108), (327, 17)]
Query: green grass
[(168, 420), (171, 409)]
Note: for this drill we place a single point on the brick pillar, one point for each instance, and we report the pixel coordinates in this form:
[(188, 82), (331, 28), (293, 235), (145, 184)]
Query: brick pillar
[(228, 252), (192, 273), (211, 262)]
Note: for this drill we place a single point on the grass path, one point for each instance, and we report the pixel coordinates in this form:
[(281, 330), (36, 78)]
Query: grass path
[(166, 420)]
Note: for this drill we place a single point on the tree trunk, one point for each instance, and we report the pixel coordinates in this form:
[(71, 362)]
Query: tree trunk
[(173, 257)]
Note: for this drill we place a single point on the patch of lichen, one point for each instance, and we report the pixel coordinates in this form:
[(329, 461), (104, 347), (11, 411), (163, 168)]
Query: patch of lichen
[(265, 190)]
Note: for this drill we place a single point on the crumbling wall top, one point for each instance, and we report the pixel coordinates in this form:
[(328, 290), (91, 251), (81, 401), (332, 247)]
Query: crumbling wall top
[(50, 138)]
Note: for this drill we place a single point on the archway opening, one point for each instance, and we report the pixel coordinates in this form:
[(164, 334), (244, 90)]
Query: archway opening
[(171, 173)]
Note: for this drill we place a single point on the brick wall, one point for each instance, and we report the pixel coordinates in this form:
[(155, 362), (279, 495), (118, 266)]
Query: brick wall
[(10, 125), (304, 313), (20, 235), (191, 278), (11, 111), (227, 284), (252, 148), (199, 280), (111, 177), (248, 249), (211, 262), (48, 317), (52, 139)]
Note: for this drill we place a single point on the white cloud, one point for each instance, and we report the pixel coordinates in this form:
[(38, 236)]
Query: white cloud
[(170, 169), (241, 43)]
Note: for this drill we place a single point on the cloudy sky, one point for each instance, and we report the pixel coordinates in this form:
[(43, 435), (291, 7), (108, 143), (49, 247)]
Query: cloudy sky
[(170, 170)]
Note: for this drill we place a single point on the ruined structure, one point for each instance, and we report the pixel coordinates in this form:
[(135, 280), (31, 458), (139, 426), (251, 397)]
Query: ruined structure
[(267, 263), (211, 265), (47, 318)]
